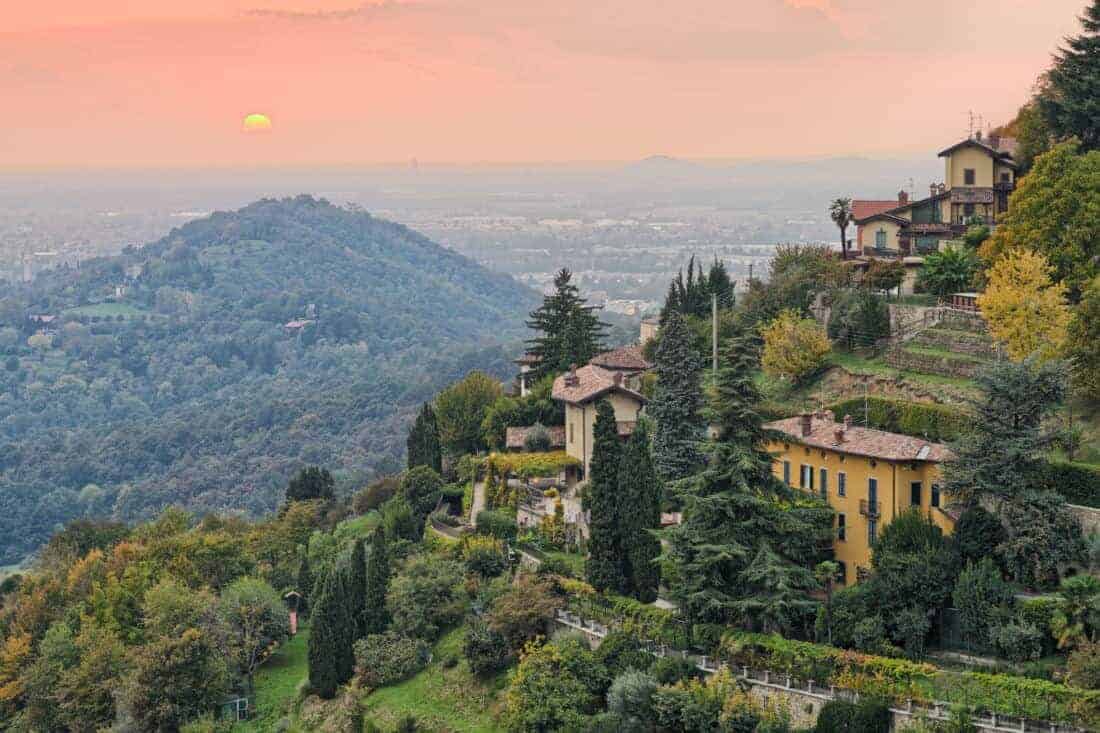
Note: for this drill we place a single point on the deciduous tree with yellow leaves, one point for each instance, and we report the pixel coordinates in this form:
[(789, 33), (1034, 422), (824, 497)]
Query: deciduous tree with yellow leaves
[(1025, 310), (794, 347)]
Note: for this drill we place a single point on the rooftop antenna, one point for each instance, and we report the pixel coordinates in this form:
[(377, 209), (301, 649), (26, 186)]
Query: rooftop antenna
[(970, 130), (981, 124)]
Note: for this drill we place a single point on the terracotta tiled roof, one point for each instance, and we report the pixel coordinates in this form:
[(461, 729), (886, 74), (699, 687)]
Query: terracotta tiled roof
[(589, 383), (862, 441), (624, 358), (863, 208), (517, 437)]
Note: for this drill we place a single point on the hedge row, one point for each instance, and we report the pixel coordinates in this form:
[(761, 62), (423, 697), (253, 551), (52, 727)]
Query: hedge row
[(1079, 483), (901, 680), (924, 419), (640, 619)]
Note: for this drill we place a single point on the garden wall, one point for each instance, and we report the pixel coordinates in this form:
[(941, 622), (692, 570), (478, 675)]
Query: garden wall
[(959, 320), (957, 342), (945, 366)]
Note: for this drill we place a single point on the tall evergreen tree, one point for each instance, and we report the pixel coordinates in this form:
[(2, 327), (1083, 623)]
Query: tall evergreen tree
[(1070, 100), (329, 652), (305, 584), (568, 330), (1010, 433), (776, 592), (735, 505), (357, 587), (375, 617), (311, 483), (720, 284), (423, 442), (676, 403), (640, 498), (605, 560)]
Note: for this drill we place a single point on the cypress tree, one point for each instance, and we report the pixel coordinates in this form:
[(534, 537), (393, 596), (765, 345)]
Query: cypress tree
[(423, 442), (305, 584), (329, 641), (720, 284), (640, 496), (735, 505), (1070, 100), (311, 483), (676, 403), (357, 587), (375, 617), (568, 330), (605, 555)]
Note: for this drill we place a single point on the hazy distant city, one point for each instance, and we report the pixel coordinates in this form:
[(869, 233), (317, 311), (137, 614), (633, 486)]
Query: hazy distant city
[(622, 227)]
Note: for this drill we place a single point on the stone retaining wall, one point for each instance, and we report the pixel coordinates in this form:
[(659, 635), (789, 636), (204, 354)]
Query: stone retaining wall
[(957, 342), (960, 320), (899, 358)]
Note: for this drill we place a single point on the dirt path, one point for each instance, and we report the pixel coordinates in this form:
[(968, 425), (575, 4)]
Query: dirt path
[(478, 504)]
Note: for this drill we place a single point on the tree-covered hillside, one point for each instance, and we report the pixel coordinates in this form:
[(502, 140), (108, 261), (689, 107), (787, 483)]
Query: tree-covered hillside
[(168, 374)]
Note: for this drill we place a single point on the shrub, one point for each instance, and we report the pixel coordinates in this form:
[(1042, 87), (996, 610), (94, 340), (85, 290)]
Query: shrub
[(424, 597), (484, 555), (421, 488), (398, 520), (911, 627), (496, 523), (556, 687), (976, 535), (631, 699), (621, 651), (1017, 642), (524, 611), (375, 495), (981, 597), (485, 650), (1039, 612), (1083, 666), (858, 318), (1078, 483), (872, 716), (383, 659), (869, 634), (673, 669), (537, 439), (920, 419), (836, 716)]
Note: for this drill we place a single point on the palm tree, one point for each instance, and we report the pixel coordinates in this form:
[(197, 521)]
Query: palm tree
[(840, 211)]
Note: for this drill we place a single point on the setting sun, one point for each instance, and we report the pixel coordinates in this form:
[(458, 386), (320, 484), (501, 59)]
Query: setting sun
[(257, 123)]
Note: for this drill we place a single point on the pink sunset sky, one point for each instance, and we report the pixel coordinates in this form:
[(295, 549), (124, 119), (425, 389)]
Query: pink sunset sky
[(167, 82)]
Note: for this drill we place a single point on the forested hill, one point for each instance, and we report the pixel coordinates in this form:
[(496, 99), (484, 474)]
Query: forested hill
[(168, 374)]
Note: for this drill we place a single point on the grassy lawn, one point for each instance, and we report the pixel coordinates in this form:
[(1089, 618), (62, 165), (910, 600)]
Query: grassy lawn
[(277, 683), (857, 364), (111, 310), (441, 699), (945, 354)]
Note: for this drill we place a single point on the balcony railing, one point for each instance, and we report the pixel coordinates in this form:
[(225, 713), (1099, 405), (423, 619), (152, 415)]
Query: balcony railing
[(871, 509)]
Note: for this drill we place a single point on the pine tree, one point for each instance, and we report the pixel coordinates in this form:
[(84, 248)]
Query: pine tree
[(775, 594), (720, 284), (640, 497), (568, 330), (305, 584), (736, 505), (605, 559), (357, 587), (1010, 434), (329, 638), (1071, 100), (676, 403), (375, 617), (423, 442)]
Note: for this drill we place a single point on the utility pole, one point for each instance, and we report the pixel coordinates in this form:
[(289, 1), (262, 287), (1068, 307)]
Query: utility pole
[(714, 333), (866, 408)]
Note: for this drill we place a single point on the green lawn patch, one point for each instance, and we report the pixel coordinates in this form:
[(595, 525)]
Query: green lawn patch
[(441, 699), (107, 310), (277, 683), (944, 354), (857, 364)]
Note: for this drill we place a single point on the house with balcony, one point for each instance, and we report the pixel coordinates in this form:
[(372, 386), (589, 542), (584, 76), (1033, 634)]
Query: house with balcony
[(979, 175), (868, 476)]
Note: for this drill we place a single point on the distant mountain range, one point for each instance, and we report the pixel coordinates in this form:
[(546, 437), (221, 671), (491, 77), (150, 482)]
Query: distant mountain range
[(205, 368)]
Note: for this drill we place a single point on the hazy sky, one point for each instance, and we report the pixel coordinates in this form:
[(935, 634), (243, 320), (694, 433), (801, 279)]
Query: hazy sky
[(167, 82)]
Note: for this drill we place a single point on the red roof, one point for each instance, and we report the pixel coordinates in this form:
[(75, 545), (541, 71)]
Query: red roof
[(517, 437), (861, 441), (863, 208), (624, 358), (589, 383)]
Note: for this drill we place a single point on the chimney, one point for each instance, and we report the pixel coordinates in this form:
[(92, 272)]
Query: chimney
[(807, 423), (571, 379), (618, 378), (995, 141), (903, 198), (932, 189), (830, 416), (847, 422), (838, 435)]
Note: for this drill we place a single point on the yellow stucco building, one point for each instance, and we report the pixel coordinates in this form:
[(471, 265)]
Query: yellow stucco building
[(868, 476), (614, 375), (979, 174)]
